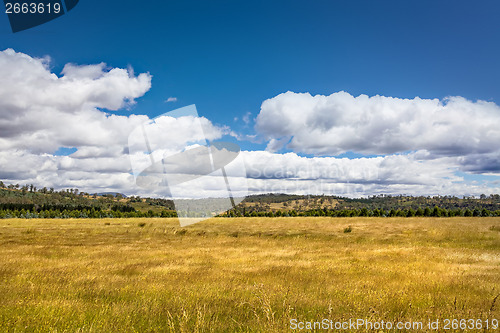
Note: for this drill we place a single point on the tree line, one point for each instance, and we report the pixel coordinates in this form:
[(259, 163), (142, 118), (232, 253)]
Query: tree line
[(28, 201), (364, 212), (79, 214)]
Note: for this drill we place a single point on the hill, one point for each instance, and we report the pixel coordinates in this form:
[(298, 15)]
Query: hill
[(28, 201)]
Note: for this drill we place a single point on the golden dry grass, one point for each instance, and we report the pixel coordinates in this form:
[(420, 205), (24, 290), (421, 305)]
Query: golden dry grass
[(243, 274)]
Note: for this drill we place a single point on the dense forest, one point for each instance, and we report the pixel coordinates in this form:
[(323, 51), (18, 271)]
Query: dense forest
[(28, 201)]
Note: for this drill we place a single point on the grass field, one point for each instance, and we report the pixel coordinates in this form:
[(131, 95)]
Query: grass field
[(244, 274)]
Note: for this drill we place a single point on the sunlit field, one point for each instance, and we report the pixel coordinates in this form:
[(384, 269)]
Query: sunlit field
[(244, 274)]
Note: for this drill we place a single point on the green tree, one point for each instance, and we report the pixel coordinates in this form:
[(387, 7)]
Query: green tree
[(485, 212), (363, 212), (427, 211)]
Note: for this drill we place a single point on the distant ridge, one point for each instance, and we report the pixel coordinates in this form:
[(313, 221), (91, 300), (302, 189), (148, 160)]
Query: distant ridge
[(30, 201)]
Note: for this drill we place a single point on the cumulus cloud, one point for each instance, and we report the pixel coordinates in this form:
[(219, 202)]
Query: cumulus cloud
[(340, 122), (171, 100), (424, 142), (41, 112), (392, 174), (265, 172)]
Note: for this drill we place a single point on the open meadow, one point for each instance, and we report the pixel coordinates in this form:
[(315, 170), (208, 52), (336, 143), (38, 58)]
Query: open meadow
[(244, 274)]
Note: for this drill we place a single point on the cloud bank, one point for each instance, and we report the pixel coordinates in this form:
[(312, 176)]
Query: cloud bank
[(423, 146), (340, 122), (41, 112)]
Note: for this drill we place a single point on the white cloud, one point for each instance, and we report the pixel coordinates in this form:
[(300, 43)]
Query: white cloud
[(266, 172), (246, 118), (289, 173), (41, 112), (340, 122), (171, 100), (433, 140), (394, 174)]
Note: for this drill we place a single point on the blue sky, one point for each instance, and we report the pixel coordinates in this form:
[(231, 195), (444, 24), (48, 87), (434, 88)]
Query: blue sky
[(228, 57)]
